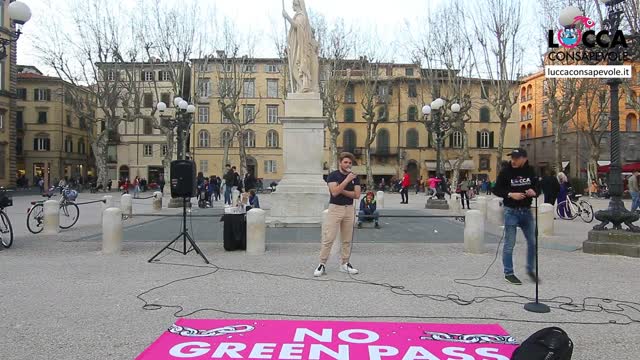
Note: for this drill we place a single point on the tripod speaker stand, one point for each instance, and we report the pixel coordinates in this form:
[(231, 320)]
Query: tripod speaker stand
[(185, 237)]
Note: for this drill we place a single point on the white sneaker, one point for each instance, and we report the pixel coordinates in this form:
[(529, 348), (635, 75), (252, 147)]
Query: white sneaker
[(347, 268), (319, 271)]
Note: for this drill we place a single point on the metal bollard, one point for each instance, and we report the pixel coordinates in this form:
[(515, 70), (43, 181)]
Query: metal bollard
[(256, 231), (481, 201), (380, 199), (108, 202), (126, 205), (337, 244), (51, 217), (545, 219), (112, 231), (157, 201), (495, 212), (474, 232)]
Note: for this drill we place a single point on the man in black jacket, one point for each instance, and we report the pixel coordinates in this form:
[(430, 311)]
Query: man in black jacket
[(516, 184), (550, 188), (229, 180)]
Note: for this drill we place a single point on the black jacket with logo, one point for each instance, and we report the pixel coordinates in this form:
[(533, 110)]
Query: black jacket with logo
[(516, 180)]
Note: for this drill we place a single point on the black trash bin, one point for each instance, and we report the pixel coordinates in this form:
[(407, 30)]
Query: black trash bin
[(235, 232)]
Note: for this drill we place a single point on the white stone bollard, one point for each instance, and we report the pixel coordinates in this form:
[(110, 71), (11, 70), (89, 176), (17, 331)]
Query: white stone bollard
[(106, 203), (337, 244), (481, 202), (256, 231), (454, 203), (126, 205), (495, 212), (380, 200), (474, 232), (157, 201), (234, 196), (112, 231), (545, 220), (51, 217)]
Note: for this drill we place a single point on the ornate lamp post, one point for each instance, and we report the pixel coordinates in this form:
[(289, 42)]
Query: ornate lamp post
[(181, 121), (438, 125), (19, 13)]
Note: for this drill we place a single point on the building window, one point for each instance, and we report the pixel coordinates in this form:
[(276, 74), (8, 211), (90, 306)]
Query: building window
[(41, 94), (248, 68), (41, 143), (249, 113), (147, 75), (485, 116), (485, 162), (383, 91), (545, 124), (457, 140), (349, 140), (408, 71), (226, 138), (19, 146), (204, 88), (270, 166), (147, 127), (249, 88), (204, 166), (81, 147), (272, 139), (523, 132), (42, 117), (148, 100), (164, 149), (412, 138), (484, 139), (413, 91), (203, 138), (271, 68), (82, 123), (225, 120), (111, 75), (166, 98), (147, 150), (349, 115), (382, 113), (412, 113), (19, 120), (483, 93), (272, 114), (382, 142), (203, 114), (164, 75), (349, 94), (529, 131), (21, 93), (68, 145), (68, 120), (249, 138), (272, 88)]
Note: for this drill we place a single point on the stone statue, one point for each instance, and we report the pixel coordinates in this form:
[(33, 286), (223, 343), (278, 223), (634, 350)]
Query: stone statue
[(302, 51)]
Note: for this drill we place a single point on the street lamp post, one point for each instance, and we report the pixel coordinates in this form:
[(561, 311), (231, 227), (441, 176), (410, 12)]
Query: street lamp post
[(438, 125), (616, 213), (19, 13)]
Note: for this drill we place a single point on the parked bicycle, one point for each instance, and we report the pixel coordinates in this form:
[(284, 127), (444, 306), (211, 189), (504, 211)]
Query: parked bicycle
[(69, 211), (573, 207), (6, 230)]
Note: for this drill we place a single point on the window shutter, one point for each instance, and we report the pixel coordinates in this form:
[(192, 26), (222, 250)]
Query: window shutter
[(478, 139), (48, 94), (451, 140), (35, 144), (141, 75), (35, 95), (429, 139), (47, 144), (491, 140)]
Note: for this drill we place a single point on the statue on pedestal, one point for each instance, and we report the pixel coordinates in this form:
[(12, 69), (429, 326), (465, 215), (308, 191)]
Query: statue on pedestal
[(302, 51)]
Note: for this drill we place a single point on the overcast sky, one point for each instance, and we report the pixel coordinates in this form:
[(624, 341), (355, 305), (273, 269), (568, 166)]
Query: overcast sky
[(388, 18)]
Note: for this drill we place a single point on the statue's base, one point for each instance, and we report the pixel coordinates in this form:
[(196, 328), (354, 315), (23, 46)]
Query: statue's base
[(177, 203), (437, 204), (612, 242)]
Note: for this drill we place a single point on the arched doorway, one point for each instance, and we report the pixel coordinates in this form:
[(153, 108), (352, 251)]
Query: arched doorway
[(124, 172), (412, 169), (252, 166)]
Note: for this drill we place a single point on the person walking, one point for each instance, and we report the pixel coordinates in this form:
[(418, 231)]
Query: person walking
[(433, 182), (516, 184), (564, 211), (464, 192), (368, 210), (344, 187), (229, 179), (160, 183), (634, 190), (550, 188), (404, 187), (136, 186)]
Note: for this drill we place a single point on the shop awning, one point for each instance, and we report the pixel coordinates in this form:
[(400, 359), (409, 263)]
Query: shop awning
[(625, 168), (375, 170)]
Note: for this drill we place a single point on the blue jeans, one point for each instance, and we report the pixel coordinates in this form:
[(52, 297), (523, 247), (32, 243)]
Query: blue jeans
[(514, 217), (374, 216), (635, 200), (227, 195)]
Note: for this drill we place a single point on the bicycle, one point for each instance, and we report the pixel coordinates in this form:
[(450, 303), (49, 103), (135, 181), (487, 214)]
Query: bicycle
[(69, 211), (574, 207), (6, 230)]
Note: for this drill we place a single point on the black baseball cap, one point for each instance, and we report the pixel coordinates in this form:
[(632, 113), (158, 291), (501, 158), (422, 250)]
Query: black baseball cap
[(518, 153)]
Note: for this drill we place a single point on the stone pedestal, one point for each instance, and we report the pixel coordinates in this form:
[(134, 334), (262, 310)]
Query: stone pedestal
[(302, 194), (612, 242), (439, 204)]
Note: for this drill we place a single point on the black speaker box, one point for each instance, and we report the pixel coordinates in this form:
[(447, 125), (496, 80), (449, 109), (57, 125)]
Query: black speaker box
[(183, 179)]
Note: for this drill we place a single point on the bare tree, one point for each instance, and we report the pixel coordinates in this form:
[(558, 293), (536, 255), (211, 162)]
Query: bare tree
[(500, 40)]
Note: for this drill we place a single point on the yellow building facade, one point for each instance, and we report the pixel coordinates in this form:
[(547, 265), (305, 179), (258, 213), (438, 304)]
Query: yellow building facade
[(402, 140), (7, 87), (52, 141)]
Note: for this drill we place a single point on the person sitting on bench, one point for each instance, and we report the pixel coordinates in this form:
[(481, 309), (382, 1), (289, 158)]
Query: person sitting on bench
[(368, 210)]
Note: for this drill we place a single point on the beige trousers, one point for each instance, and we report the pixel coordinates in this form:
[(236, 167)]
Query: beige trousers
[(338, 217)]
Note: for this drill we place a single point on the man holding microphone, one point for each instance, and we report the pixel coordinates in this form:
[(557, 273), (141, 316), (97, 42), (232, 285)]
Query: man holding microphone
[(516, 184), (344, 187)]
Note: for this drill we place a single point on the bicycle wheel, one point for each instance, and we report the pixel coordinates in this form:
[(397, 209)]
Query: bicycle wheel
[(6, 230), (586, 211), (570, 210), (69, 214), (35, 219)]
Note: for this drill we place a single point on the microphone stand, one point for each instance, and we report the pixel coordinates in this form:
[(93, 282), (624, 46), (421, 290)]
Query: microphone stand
[(536, 306)]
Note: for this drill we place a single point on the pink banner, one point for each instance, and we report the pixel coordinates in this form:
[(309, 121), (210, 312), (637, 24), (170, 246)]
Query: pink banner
[(325, 340)]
